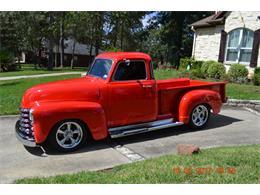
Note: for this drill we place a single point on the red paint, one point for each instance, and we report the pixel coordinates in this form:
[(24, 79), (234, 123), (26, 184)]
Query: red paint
[(101, 104)]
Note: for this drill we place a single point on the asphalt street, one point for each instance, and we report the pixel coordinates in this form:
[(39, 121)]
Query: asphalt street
[(233, 126)]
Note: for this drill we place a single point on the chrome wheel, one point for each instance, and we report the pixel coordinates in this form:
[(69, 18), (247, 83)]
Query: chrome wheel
[(69, 135), (200, 115)]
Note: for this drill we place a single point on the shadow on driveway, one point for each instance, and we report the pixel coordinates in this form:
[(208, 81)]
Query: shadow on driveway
[(215, 122)]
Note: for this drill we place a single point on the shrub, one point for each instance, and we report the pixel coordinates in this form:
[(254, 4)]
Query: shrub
[(184, 74), (216, 70), (256, 77), (195, 64), (7, 61), (196, 73), (238, 73), (204, 68), (257, 70), (225, 77), (154, 65)]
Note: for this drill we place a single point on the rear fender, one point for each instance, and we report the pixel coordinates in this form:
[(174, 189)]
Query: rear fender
[(195, 97), (46, 115)]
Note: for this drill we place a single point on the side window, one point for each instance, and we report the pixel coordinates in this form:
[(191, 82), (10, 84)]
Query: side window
[(133, 70)]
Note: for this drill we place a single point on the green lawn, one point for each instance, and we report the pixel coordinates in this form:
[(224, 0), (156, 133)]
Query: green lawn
[(217, 165), (28, 69), (11, 91), (246, 92)]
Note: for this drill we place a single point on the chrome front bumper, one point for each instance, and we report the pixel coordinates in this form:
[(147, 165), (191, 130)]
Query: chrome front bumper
[(22, 137)]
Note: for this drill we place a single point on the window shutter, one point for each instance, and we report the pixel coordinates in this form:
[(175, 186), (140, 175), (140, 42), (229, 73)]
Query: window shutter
[(254, 55), (223, 40)]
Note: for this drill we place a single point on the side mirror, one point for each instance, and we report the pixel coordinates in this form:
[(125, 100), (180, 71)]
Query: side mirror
[(127, 62)]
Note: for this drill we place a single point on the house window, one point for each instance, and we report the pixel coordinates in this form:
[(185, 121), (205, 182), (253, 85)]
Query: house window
[(239, 45)]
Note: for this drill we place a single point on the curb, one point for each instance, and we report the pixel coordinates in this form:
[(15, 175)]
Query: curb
[(9, 116), (252, 106), (252, 111), (37, 76), (243, 103)]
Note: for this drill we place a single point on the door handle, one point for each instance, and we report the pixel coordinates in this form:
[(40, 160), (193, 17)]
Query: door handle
[(147, 86)]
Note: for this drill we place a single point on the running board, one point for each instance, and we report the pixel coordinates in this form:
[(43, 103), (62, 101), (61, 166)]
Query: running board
[(142, 128)]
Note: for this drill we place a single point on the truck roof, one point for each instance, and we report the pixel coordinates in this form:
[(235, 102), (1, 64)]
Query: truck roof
[(124, 55)]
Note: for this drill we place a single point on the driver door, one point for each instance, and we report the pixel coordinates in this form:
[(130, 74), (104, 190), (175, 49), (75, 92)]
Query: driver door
[(132, 97)]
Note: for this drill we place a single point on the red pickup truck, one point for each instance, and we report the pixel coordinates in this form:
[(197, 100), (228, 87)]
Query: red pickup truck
[(118, 97)]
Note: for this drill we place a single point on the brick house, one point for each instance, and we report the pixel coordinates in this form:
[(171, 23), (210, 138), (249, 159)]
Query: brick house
[(228, 37)]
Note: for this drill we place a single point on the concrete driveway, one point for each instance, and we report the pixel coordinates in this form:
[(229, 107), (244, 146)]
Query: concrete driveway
[(233, 126)]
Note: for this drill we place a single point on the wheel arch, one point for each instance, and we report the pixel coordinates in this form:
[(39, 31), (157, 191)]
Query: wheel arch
[(90, 114), (195, 97)]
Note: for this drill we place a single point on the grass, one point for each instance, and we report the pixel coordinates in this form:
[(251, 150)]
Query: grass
[(165, 74), (240, 165), (245, 91), (11, 91), (29, 69), (233, 90)]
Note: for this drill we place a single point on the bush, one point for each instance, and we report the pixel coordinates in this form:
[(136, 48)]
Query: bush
[(257, 70), (256, 77), (154, 65), (7, 61), (225, 77), (184, 74), (216, 70), (238, 73), (196, 73), (204, 68), (195, 64)]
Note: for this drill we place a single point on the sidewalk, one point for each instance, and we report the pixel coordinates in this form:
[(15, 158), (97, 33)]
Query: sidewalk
[(36, 76)]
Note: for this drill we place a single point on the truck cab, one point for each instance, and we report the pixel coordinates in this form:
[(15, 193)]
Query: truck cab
[(118, 97)]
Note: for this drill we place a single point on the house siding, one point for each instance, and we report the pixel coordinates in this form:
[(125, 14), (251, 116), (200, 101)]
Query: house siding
[(207, 43), (207, 40)]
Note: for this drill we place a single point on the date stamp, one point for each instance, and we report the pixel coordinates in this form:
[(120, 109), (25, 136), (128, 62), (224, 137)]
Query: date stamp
[(203, 170)]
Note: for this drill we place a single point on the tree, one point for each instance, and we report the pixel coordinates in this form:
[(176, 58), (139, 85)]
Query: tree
[(123, 30), (175, 33), (61, 40), (12, 33)]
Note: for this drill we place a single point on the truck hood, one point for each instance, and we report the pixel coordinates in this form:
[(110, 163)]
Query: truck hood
[(79, 89)]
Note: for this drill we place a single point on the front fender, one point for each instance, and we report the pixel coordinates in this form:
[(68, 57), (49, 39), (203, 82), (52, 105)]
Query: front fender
[(195, 97), (47, 114)]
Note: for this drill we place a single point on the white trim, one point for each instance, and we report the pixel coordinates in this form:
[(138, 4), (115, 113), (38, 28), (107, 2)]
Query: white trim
[(238, 48), (194, 44)]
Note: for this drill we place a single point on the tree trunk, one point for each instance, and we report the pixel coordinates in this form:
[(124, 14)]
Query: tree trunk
[(56, 56), (50, 60), (116, 33), (72, 58), (90, 54), (121, 35), (62, 40), (179, 26), (39, 57)]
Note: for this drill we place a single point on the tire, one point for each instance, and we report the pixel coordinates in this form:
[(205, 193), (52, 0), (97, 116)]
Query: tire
[(199, 116), (68, 135)]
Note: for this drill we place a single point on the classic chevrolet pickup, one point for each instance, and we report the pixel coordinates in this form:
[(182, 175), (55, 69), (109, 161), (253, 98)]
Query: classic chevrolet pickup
[(118, 97)]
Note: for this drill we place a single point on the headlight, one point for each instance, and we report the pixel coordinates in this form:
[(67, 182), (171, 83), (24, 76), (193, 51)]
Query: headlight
[(31, 115)]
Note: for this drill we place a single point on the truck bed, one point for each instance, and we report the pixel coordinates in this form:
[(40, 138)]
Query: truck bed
[(171, 91)]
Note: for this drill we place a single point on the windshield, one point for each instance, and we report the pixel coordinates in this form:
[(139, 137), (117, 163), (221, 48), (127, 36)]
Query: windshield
[(100, 68)]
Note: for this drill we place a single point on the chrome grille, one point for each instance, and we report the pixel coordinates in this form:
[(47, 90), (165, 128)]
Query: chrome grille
[(25, 124)]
